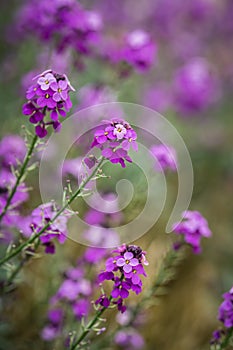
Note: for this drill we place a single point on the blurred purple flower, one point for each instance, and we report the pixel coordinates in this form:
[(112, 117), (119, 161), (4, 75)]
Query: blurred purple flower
[(195, 86), (193, 228), (165, 156), (225, 314)]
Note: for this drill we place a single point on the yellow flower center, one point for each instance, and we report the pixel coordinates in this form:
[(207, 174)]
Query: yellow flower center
[(59, 90), (127, 261), (106, 133), (130, 139), (46, 82), (47, 96)]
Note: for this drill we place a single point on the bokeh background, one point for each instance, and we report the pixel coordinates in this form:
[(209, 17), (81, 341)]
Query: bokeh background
[(190, 82)]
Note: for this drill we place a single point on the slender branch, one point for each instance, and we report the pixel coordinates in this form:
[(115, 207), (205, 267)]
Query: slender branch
[(88, 327), (17, 250), (19, 177)]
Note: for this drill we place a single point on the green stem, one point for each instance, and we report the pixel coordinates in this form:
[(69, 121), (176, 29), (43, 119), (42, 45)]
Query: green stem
[(227, 338), (88, 327), (71, 199), (19, 177)]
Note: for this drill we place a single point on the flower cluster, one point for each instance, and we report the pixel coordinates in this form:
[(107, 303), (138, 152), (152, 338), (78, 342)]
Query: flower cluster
[(140, 50), (225, 315), (124, 269), (165, 156), (195, 86), (115, 139), (40, 217), (63, 21), (49, 94), (193, 228)]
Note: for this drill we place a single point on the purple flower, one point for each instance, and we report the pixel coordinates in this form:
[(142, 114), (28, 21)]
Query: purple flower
[(129, 339), (81, 308), (12, 150), (165, 156), (127, 262), (225, 314), (55, 316), (121, 289), (134, 274), (130, 140), (50, 95), (49, 333), (103, 301), (111, 264), (46, 100), (46, 80), (114, 140), (107, 275), (195, 86), (140, 50), (69, 290), (120, 305), (60, 89), (57, 229), (193, 228), (93, 255)]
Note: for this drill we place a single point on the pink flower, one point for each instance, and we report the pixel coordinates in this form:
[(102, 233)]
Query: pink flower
[(46, 81), (60, 89), (119, 131), (127, 262)]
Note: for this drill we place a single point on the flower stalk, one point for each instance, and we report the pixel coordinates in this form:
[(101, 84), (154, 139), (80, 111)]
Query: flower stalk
[(17, 250), (20, 176)]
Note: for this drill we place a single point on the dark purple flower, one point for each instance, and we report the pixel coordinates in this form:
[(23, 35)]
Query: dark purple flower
[(103, 301), (55, 316), (120, 305), (121, 289), (46, 100), (105, 276)]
